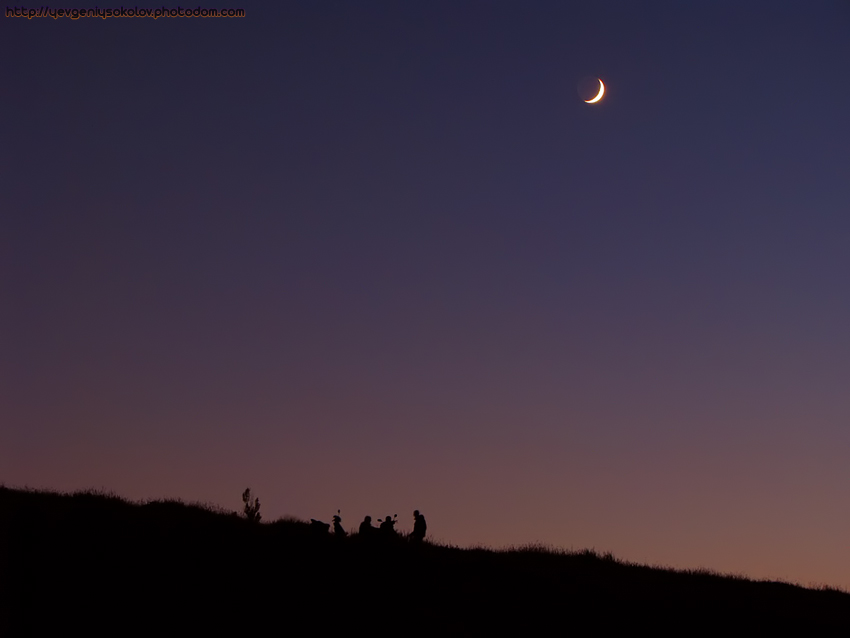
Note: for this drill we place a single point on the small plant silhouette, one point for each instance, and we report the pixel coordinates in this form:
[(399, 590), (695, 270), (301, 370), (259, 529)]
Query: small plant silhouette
[(252, 510)]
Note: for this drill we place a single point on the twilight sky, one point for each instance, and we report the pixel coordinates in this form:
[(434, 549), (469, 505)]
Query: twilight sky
[(379, 256)]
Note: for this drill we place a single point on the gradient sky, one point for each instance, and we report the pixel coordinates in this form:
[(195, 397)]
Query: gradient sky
[(379, 256)]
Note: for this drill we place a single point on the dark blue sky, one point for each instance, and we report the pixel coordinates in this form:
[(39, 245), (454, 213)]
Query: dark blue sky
[(380, 256)]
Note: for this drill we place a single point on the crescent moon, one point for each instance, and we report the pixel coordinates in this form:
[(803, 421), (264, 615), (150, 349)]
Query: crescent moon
[(599, 95)]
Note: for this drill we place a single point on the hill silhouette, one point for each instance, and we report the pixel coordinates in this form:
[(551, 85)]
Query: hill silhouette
[(103, 565)]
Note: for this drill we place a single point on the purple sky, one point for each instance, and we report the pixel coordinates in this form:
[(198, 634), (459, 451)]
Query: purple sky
[(379, 256)]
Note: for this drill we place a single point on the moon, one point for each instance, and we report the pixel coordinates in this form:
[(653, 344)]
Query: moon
[(598, 95)]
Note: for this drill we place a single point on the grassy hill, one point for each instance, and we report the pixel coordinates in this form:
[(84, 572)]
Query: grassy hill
[(105, 566)]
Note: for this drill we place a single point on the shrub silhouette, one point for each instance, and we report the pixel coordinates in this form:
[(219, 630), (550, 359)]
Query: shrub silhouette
[(252, 510)]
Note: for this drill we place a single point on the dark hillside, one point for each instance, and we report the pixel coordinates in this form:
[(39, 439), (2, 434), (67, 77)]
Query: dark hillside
[(102, 565)]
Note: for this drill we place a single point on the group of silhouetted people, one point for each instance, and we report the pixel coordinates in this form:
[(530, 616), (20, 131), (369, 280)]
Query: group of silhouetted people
[(385, 530)]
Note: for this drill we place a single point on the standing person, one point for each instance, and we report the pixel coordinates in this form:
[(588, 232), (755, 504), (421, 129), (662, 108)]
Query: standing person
[(419, 527)]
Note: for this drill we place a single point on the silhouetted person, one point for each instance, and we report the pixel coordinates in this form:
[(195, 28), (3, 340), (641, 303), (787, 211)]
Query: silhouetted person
[(419, 527), (387, 528), (366, 530), (338, 531)]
